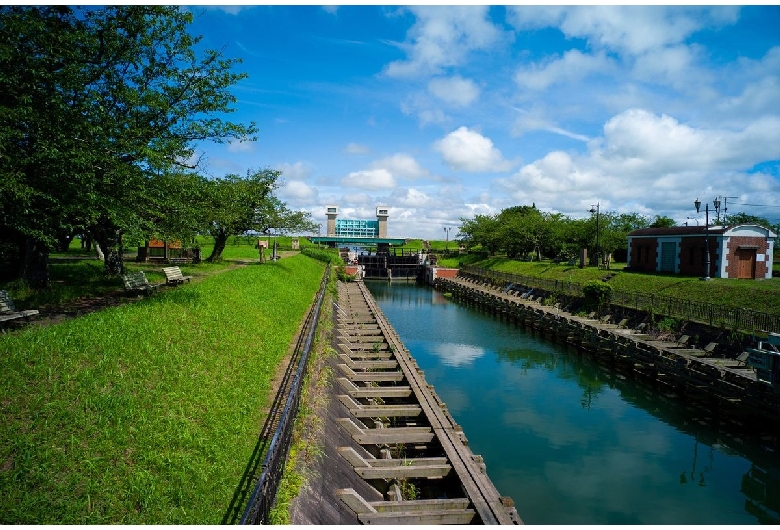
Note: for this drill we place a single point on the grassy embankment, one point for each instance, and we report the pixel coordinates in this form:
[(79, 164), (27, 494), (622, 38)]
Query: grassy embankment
[(146, 413), (757, 295)]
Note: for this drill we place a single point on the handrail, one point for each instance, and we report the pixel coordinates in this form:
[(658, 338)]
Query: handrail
[(260, 503)]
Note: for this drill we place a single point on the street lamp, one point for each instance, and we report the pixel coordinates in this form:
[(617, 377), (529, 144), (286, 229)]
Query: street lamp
[(716, 204), (725, 206), (447, 238), (595, 209)]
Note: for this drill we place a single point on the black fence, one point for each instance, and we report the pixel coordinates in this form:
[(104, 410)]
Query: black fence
[(733, 318), (262, 500)]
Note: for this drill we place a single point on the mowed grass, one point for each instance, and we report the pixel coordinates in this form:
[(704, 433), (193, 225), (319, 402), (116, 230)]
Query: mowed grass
[(146, 413), (757, 295)]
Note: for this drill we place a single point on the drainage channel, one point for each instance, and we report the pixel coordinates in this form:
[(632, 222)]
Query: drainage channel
[(408, 446)]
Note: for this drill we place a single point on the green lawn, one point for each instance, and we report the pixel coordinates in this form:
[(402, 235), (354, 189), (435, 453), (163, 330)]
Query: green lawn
[(146, 413)]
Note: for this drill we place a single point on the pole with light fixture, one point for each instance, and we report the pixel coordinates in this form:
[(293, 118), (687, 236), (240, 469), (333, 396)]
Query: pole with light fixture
[(447, 238), (595, 209), (716, 204)]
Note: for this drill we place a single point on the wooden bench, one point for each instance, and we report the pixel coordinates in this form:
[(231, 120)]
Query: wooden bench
[(136, 282), (9, 313), (173, 276)]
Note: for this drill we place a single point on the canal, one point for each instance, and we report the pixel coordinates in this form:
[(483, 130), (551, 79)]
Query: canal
[(570, 442)]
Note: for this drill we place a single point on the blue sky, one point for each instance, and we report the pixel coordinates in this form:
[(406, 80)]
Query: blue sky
[(445, 112)]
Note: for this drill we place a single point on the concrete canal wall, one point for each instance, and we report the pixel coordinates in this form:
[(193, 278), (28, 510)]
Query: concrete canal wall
[(725, 389)]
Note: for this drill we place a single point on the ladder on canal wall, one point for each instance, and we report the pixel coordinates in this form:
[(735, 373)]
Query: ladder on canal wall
[(409, 447)]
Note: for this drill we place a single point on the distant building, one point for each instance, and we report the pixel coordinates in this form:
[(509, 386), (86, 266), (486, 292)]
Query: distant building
[(360, 228), (741, 251)]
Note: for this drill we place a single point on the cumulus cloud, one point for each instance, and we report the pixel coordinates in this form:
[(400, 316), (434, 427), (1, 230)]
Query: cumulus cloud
[(454, 90), (630, 30), (442, 37), (357, 149), (411, 198), (467, 150), (654, 144), (401, 165), (296, 171), (649, 163), (370, 179), (299, 192)]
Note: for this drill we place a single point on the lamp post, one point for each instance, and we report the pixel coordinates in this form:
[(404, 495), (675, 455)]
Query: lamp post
[(716, 204), (447, 238), (725, 206), (595, 209)]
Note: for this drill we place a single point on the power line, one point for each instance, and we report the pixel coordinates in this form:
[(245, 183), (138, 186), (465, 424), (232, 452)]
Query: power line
[(757, 205)]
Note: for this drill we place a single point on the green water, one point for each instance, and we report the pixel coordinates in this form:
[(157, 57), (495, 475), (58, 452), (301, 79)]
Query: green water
[(570, 442)]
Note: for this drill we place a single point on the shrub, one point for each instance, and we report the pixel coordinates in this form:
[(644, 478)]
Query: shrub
[(597, 294)]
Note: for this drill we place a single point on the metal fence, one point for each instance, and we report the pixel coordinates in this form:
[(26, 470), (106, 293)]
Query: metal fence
[(260, 503), (733, 318)]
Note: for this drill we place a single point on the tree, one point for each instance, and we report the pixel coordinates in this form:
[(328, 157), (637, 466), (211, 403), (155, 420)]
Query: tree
[(481, 231), (743, 218), (98, 105), (661, 221), (237, 205)]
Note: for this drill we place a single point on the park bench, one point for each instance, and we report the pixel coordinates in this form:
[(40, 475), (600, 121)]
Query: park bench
[(136, 282), (9, 313), (173, 276)]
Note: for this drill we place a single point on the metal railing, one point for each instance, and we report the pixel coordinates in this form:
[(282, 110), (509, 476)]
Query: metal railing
[(692, 310), (262, 500)]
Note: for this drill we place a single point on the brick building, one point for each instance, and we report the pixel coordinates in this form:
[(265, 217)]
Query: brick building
[(741, 251)]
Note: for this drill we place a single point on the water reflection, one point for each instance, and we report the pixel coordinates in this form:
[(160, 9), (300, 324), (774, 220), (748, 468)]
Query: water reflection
[(570, 442), (457, 355)]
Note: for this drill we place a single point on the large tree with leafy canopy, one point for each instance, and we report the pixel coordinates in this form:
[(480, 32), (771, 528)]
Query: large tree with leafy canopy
[(236, 205), (96, 106)]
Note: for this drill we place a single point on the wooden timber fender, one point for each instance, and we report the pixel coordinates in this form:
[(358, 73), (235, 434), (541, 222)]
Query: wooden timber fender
[(722, 386), (407, 447)]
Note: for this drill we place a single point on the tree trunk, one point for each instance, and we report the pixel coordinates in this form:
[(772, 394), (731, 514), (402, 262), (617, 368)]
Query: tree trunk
[(35, 264), (99, 251), (220, 240), (109, 240)]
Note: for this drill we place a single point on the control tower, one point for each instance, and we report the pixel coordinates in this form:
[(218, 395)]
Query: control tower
[(332, 212), (381, 217)]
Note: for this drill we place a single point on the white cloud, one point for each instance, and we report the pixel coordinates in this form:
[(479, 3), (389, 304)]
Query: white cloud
[(401, 165), (650, 164), (442, 37), (301, 192), (758, 89), (468, 150), (371, 179), (674, 66), (454, 90), (411, 198), (535, 120), (573, 67), (651, 144), (357, 149), (296, 171), (628, 29)]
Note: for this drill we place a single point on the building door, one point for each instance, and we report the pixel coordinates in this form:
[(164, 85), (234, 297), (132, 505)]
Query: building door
[(668, 256), (746, 263)]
